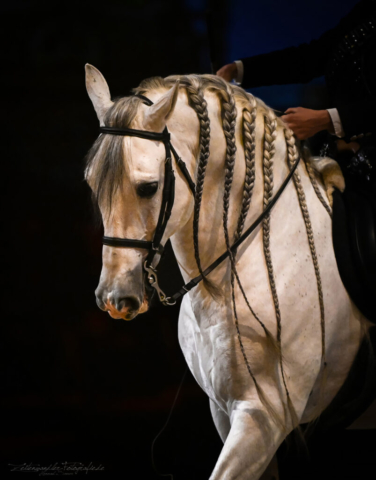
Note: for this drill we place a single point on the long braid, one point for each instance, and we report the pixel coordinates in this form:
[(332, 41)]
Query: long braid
[(269, 150), (228, 124), (249, 142), (292, 155), (268, 154), (198, 103)]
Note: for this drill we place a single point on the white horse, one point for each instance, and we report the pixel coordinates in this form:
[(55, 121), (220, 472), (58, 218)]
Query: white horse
[(264, 372)]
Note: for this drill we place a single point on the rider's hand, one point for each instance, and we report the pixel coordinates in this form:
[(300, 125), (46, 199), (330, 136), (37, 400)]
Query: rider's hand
[(305, 122), (228, 72)]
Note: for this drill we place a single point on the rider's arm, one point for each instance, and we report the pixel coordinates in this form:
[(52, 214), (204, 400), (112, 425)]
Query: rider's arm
[(291, 65)]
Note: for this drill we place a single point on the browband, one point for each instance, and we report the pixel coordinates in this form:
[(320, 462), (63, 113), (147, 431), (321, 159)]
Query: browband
[(131, 132), (144, 99)]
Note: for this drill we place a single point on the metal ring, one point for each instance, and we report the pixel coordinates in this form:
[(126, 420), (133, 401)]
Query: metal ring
[(166, 302)]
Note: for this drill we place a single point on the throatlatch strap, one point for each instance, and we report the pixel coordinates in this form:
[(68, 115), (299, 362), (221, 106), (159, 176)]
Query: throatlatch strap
[(184, 170)]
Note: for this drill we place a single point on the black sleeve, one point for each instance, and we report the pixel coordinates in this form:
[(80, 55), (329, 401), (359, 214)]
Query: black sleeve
[(298, 64), (358, 118), (290, 65)]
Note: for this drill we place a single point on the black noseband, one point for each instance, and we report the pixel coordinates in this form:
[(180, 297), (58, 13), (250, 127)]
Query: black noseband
[(127, 242)]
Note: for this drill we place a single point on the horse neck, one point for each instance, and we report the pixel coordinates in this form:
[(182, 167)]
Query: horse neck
[(211, 231)]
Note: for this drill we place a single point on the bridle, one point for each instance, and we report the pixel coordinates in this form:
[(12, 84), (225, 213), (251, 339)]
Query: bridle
[(168, 197)]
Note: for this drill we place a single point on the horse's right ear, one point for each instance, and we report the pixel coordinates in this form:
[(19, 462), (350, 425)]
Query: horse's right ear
[(98, 91)]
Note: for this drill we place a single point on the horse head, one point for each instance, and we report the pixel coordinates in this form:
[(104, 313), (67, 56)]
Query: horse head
[(126, 175)]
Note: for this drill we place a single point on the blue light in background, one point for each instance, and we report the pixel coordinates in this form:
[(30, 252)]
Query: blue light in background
[(255, 27)]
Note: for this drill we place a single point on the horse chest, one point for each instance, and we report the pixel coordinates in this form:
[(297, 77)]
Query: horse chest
[(211, 352)]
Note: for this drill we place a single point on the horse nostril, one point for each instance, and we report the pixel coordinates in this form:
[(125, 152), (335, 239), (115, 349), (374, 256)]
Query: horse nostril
[(129, 304), (100, 303), (100, 294)]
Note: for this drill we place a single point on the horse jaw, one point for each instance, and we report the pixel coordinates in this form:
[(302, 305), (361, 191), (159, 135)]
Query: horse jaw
[(98, 92), (157, 115)]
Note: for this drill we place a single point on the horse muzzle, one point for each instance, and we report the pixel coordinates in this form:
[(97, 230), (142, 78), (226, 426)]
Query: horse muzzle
[(121, 305)]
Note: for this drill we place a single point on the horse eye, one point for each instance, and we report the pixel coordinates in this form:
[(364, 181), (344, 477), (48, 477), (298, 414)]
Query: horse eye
[(147, 190)]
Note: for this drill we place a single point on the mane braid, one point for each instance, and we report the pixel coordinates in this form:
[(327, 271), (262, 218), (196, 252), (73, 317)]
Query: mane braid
[(249, 142), (292, 155), (198, 103), (268, 154), (269, 150), (228, 123)]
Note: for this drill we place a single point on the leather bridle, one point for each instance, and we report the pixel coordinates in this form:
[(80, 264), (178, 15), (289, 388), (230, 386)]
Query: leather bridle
[(167, 204)]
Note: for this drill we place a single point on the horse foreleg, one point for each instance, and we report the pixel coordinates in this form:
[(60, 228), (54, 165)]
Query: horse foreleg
[(221, 420), (250, 445)]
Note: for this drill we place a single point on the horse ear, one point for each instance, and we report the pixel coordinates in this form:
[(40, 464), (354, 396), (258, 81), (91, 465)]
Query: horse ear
[(98, 91), (156, 115)]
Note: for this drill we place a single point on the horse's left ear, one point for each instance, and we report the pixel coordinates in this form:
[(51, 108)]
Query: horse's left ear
[(156, 115)]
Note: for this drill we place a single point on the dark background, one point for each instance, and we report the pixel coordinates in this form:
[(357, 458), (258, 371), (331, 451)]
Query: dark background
[(78, 386)]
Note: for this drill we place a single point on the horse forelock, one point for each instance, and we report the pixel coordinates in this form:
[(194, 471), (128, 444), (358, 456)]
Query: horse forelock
[(106, 162)]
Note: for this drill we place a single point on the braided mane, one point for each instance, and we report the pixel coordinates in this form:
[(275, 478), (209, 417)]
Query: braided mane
[(230, 97)]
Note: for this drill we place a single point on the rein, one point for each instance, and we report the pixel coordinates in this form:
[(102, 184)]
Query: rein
[(168, 197)]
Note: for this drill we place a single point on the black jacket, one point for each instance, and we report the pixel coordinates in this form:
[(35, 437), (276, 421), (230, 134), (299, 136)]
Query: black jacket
[(346, 55)]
